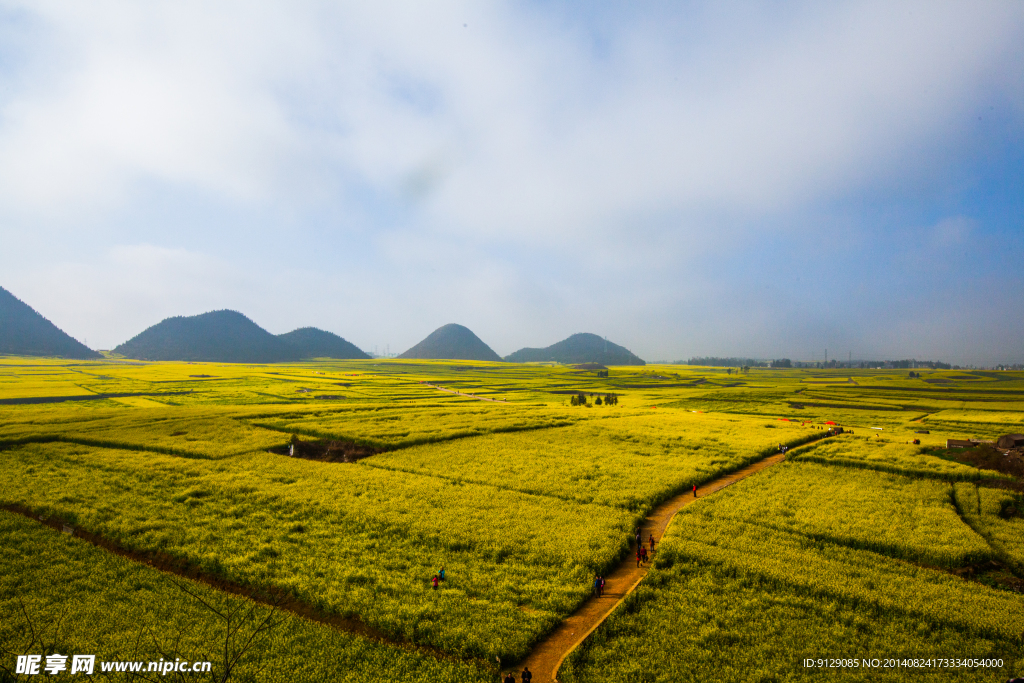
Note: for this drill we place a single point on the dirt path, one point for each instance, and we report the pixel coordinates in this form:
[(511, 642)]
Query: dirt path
[(551, 652)]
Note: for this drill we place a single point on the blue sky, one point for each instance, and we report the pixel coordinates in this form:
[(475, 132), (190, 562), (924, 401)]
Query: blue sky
[(757, 179)]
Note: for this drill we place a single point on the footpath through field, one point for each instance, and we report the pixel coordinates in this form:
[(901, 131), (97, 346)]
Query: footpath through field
[(549, 654)]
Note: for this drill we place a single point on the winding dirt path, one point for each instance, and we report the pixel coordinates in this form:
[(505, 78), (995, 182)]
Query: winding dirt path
[(548, 656)]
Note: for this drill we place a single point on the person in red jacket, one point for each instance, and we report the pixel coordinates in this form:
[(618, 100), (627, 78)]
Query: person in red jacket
[(694, 490), (434, 581)]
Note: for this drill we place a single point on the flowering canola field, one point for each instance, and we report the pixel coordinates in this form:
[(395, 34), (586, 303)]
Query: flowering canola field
[(522, 499)]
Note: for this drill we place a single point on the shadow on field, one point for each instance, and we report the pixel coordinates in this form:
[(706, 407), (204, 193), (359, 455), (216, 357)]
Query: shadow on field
[(327, 451)]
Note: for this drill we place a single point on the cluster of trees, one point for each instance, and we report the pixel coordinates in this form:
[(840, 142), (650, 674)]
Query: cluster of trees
[(905, 364), (580, 399), (744, 364)]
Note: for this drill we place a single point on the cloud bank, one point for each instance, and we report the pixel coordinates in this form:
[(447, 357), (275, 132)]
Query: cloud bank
[(703, 179)]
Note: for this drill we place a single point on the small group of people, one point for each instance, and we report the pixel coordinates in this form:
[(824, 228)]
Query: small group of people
[(783, 449), (438, 577), (641, 549), (598, 585), (641, 555), (525, 677)]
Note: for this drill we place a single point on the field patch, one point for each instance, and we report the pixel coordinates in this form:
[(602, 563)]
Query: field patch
[(60, 594), (631, 462), (887, 456)]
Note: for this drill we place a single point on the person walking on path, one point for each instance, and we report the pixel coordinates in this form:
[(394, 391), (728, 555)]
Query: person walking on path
[(602, 586), (652, 541), (597, 586), (638, 558), (527, 676), (639, 538), (510, 678), (643, 553), (694, 490)]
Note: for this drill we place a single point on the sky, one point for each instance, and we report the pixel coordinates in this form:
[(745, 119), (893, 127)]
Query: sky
[(748, 179)]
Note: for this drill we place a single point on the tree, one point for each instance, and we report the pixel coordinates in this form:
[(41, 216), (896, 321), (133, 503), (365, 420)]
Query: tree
[(242, 634), (597, 401)]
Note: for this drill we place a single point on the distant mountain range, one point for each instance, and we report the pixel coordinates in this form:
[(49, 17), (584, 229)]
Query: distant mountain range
[(452, 342), (230, 337), (579, 348), (24, 332)]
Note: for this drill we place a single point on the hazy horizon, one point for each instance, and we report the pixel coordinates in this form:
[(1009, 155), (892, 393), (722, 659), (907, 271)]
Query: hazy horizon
[(702, 179)]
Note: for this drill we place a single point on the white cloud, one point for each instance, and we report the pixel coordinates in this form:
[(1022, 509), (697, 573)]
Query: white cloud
[(411, 163), (510, 124)]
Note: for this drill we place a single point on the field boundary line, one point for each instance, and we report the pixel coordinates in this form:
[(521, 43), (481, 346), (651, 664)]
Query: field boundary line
[(112, 445), (367, 462), (997, 548), (391, 448), (459, 393)]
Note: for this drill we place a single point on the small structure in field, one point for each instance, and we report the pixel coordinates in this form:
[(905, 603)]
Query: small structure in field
[(1011, 441), (965, 443)]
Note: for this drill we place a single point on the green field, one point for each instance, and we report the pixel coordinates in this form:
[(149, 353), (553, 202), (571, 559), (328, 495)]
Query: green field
[(860, 545)]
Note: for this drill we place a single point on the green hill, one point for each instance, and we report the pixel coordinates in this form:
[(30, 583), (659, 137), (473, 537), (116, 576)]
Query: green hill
[(218, 336), (453, 342), (315, 343), (23, 332), (579, 348)]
